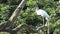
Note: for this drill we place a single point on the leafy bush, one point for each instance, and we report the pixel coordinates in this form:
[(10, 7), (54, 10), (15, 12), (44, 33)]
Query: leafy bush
[(28, 15)]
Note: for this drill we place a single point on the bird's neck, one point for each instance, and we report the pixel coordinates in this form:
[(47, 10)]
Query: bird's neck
[(37, 9)]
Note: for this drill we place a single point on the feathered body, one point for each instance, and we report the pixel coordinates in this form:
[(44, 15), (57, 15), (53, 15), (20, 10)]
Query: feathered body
[(42, 13)]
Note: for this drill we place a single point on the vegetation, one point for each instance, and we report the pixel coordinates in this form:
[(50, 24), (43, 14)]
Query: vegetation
[(27, 14)]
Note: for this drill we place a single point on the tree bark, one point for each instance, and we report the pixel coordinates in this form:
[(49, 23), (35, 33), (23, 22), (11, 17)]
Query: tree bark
[(17, 11), (13, 17)]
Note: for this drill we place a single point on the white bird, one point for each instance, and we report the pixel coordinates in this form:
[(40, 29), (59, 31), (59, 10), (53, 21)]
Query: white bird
[(42, 13)]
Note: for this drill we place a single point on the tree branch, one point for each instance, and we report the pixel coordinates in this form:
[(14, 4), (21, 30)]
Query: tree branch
[(5, 24), (14, 15), (17, 10), (24, 25)]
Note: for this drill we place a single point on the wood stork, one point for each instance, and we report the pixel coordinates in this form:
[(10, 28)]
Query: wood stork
[(44, 14)]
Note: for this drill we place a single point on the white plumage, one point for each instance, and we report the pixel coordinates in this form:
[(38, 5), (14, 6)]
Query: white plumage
[(42, 13)]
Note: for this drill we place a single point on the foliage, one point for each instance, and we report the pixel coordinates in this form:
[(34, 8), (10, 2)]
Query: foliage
[(27, 15)]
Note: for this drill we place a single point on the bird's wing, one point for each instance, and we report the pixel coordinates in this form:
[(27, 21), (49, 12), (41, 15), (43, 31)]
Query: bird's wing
[(45, 14), (39, 12), (42, 13)]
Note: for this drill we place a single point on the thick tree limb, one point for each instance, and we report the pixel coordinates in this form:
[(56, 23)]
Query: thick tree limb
[(28, 28), (17, 11), (14, 15), (5, 24), (15, 30)]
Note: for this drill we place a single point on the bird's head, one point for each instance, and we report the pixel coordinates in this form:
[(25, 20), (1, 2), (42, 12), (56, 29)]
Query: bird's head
[(37, 8)]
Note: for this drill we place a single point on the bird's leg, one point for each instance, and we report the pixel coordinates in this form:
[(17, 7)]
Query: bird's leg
[(48, 27), (43, 20)]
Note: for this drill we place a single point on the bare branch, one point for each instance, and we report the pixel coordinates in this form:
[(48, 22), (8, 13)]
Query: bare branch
[(5, 24), (41, 27), (20, 26), (28, 28), (24, 25), (37, 29), (13, 17), (17, 11)]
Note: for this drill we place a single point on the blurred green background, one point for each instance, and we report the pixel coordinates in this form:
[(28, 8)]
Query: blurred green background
[(27, 14)]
